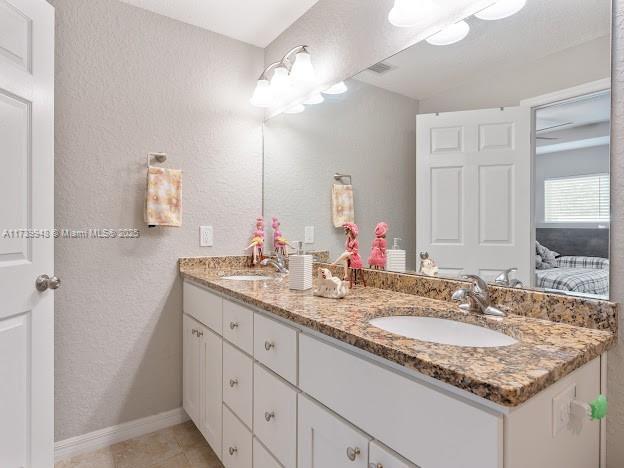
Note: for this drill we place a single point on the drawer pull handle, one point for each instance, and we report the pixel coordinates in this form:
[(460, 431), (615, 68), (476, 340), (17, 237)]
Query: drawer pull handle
[(200, 333), (233, 325), (193, 331), (269, 345), (232, 450), (233, 382), (268, 416), (352, 453)]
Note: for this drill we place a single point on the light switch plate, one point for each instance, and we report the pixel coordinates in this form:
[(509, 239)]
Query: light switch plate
[(561, 409), (309, 235), (206, 236)]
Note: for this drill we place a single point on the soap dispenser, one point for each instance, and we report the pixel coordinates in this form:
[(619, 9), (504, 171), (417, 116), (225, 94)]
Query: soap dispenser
[(395, 257), (300, 269)]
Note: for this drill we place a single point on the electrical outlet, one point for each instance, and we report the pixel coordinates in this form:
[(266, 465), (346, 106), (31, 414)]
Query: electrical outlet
[(562, 409), (206, 236), (309, 235)]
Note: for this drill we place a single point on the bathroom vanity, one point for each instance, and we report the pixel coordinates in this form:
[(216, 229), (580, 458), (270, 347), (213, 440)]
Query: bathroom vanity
[(274, 377)]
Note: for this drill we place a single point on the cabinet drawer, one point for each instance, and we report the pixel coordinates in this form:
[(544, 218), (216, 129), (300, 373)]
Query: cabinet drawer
[(275, 416), (262, 458), (237, 382), (381, 456), (203, 306), (275, 346), (236, 442), (326, 441), (238, 325), (426, 426)]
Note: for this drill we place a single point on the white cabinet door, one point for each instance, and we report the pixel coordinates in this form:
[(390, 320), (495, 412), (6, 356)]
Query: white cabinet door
[(26, 203), (191, 368), (327, 441), (211, 362), (237, 442), (473, 173), (275, 415)]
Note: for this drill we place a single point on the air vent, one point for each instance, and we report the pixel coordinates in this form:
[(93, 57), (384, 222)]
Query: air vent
[(381, 68)]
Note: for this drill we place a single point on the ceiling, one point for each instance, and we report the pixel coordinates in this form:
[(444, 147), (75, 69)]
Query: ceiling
[(579, 123), (575, 113), (256, 22), (537, 31)]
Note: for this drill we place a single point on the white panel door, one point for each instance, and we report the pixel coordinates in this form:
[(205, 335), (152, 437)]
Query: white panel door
[(26, 203), (473, 191)]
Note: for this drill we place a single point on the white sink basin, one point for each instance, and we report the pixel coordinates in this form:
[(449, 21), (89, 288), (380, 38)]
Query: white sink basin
[(448, 332), (248, 277)]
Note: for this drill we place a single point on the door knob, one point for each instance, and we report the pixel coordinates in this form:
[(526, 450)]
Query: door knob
[(44, 282)]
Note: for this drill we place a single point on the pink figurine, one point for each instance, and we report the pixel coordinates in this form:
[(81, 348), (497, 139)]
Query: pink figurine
[(280, 244), (257, 241), (351, 256), (377, 257)]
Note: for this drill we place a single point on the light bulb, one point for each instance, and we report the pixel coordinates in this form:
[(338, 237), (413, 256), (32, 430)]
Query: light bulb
[(302, 70), (501, 9), (407, 13), (262, 96), (450, 35), (280, 81), (338, 88), (315, 98), (296, 109)]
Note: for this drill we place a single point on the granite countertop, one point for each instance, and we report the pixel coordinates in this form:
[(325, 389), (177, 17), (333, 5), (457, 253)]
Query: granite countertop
[(546, 351)]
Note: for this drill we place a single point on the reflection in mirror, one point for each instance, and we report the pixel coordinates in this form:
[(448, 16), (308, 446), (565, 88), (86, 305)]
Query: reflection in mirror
[(490, 154)]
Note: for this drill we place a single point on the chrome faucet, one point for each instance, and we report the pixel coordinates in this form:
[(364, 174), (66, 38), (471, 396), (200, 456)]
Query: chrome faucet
[(478, 297), (504, 280), (279, 263)]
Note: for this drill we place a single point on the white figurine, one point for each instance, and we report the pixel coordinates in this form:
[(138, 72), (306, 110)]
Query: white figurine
[(427, 265), (330, 286)]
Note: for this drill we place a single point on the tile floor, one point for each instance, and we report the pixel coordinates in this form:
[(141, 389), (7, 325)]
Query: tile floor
[(180, 446)]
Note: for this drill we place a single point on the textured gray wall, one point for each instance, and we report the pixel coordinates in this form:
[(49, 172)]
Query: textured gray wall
[(127, 82), (615, 385), (369, 133), (350, 35)]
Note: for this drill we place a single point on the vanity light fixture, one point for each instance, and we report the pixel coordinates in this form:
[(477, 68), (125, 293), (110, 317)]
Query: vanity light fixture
[(315, 98), (337, 88), (295, 69), (302, 70), (262, 96), (501, 9), (450, 35), (408, 13), (296, 109)]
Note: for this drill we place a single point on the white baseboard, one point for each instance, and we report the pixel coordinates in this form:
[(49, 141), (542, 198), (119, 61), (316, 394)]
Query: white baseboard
[(111, 435)]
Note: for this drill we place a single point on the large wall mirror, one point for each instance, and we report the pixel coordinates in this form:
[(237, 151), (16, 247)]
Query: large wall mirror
[(489, 154)]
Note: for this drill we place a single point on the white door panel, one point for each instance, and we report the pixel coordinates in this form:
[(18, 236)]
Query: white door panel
[(26, 203), (473, 191)]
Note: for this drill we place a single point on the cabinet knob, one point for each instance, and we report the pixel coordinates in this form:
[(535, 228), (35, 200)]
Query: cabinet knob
[(268, 345), (233, 382), (232, 450), (375, 465), (352, 453), (194, 331), (200, 333), (233, 325), (268, 416)]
